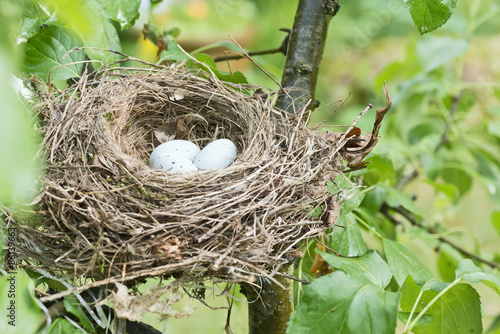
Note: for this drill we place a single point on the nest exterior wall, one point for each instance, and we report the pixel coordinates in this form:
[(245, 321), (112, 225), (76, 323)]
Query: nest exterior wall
[(103, 212)]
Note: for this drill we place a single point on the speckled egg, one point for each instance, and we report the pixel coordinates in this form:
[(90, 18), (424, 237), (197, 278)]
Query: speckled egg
[(216, 155), (177, 165), (175, 156)]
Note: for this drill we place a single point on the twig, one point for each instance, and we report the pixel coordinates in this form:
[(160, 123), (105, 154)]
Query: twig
[(411, 219), (444, 138), (331, 250), (451, 117), (282, 48), (293, 277)]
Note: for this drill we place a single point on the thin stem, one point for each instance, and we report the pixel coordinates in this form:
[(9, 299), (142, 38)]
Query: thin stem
[(282, 48), (435, 299), (451, 116), (368, 227), (413, 311)]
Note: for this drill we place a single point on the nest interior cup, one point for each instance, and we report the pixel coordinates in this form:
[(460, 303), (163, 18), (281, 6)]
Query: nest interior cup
[(103, 212)]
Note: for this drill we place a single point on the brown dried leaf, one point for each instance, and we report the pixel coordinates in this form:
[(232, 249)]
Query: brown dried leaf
[(355, 132), (332, 212), (170, 248), (355, 157), (320, 267), (162, 136), (181, 130)]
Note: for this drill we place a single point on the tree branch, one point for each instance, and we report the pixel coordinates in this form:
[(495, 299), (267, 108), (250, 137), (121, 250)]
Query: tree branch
[(411, 219), (270, 308), (305, 51), (282, 48)]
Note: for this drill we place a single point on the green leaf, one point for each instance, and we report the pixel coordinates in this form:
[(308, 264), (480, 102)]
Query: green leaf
[(373, 199), (461, 179), (495, 220), (173, 52), (368, 217), (422, 130), (450, 190), (428, 15), (45, 51), (62, 326), (32, 9), (435, 285), (370, 267), (424, 320), (400, 198), (123, 11), (403, 263), (348, 241), (467, 270), (90, 21), (457, 311), (352, 202), (448, 260), (206, 63), (18, 305), (344, 304), (435, 51), (73, 305), (18, 168), (383, 165), (29, 27)]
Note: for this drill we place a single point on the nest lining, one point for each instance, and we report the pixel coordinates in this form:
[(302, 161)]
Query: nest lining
[(104, 212)]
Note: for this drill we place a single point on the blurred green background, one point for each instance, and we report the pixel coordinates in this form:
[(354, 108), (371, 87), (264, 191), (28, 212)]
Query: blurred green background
[(451, 71)]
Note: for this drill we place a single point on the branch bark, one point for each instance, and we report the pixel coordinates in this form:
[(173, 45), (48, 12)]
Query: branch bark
[(271, 306), (304, 54)]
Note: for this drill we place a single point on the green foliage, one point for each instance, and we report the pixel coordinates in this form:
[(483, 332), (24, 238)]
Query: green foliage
[(358, 292), (436, 51), (199, 61), (63, 326), (48, 53), (429, 15), (495, 220), (446, 318), (124, 12), (348, 240), (18, 288), (18, 168), (207, 64), (72, 24), (404, 263), (370, 267), (72, 305), (348, 304)]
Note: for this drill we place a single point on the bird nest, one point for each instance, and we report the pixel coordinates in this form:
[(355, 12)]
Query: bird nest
[(104, 214)]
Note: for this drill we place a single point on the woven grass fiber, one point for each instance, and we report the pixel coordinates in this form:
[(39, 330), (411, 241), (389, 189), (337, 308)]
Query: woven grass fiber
[(103, 213)]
